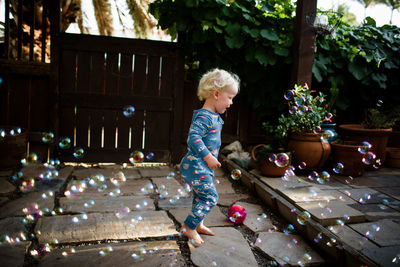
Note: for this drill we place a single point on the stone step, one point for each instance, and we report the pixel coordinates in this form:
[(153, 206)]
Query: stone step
[(104, 226), (14, 207), (214, 218), (254, 219)]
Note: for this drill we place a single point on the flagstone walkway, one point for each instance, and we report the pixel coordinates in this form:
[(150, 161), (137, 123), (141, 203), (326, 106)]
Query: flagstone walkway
[(108, 215)]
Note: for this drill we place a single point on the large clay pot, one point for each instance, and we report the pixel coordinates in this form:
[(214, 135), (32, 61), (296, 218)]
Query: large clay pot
[(12, 148), (378, 138), (264, 165), (348, 154), (309, 148)]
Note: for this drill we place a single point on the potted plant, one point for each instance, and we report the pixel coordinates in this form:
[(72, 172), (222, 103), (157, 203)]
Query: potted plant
[(347, 155), (301, 127), (375, 129)]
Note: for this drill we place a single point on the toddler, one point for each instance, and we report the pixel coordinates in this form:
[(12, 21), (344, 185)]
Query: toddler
[(218, 88)]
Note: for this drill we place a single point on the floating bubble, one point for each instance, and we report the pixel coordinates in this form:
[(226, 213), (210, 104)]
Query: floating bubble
[(282, 160), (236, 174), (338, 168), (118, 178), (27, 185), (15, 131), (324, 177), (150, 156), (377, 164), (289, 229), (396, 259), (136, 157), (78, 153), (272, 158), (331, 242), (303, 109), (313, 175), (75, 189), (302, 165), (48, 175), (318, 237), (97, 180), (368, 158), (349, 180), (148, 188), (288, 94), (307, 257), (47, 194), (3, 134), (32, 211), (299, 101), (105, 251), (47, 137), (123, 212), (88, 204), (128, 111), (317, 129), (303, 218), (115, 192), (170, 175), (16, 176), (64, 142), (29, 159), (1, 80), (293, 109), (364, 147), (379, 103), (261, 217), (326, 136)]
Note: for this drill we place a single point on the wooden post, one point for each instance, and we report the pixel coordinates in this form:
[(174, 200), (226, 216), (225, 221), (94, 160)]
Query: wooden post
[(304, 45)]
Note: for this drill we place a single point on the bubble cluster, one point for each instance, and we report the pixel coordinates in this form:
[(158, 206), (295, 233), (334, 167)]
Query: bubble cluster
[(136, 157), (128, 111), (236, 174)]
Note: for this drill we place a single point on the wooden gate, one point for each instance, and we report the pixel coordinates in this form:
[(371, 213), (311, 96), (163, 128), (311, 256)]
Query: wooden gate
[(99, 76)]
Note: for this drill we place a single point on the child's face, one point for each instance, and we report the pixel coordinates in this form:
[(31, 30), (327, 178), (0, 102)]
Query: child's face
[(224, 99)]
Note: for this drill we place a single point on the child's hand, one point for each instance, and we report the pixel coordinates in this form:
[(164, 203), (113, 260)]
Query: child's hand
[(212, 161)]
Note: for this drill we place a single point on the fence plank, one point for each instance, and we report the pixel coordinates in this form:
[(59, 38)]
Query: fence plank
[(67, 122), (110, 123), (19, 29), (96, 124), (39, 104), (68, 70), (123, 131), (18, 109), (7, 30), (112, 74), (158, 130), (83, 75), (139, 75), (32, 30), (126, 75), (82, 127), (97, 73), (153, 76), (167, 76), (44, 30), (136, 123)]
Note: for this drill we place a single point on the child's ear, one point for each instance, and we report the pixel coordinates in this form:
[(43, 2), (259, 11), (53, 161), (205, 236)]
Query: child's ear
[(215, 94)]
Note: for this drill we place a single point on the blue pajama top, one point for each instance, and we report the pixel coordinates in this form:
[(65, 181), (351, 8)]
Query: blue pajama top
[(204, 137)]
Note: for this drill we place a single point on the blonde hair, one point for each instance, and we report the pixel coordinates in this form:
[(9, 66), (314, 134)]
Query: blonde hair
[(216, 79)]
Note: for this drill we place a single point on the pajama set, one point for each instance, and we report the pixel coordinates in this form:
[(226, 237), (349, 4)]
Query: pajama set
[(204, 137)]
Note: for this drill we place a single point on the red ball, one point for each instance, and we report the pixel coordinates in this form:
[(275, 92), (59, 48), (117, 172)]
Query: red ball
[(237, 214)]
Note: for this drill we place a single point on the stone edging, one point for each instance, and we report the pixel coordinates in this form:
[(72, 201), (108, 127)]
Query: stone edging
[(340, 251)]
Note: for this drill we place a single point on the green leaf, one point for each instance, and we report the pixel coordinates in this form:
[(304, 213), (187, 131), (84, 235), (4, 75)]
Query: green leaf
[(221, 22), (217, 30), (281, 51), (234, 41), (233, 29), (358, 69), (269, 34)]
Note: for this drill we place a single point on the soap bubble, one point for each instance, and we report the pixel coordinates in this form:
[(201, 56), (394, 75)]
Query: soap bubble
[(105, 251), (299, 101), (326, 135), (282, 160), (47, 137), (75, 189), (364, 147), (338, 168), (288, 95), (128, 111), (289, 229), (150, 156), (236, 174), (170, 175), (317, 129), (15, 131), (29, 159), (379, 103), (78, 153), (368, 158), (318, 237), (261, 217), (118, 178), (115, 192), (123, 212), (303, 218), (272, 157), (313, 175), (377, 164), (136, 157), (323, 177), (27, 185), (88, 204), (147, 189), (64, 142), (292, 109), (302, 165)]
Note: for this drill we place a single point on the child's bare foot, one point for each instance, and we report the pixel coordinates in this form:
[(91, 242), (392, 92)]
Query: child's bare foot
[(202, 229), (192, 235)]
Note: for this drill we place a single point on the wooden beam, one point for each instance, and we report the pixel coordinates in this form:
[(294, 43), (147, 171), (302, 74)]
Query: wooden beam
[(303, 44)]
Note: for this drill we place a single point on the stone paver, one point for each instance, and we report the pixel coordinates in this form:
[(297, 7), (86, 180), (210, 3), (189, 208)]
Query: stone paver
[(128, 188), (145, 253), (367, 195), (385, 256), (383, 232), (279, 184), (374, 212), (53, 185), (4, 173), (288, 250), (65, 172), (391, 191), (6, 187), (102, 226), (223, 185), (254, 219), (229, 199), (351, 237), (227, 248), (313, 194), (327, 215), (14, 207), (170, 186), (358, 182), (14, 255), (131, 173), (171, 203), (13, 227), (162, 171), (3, 200), (214, 218), (106, 203), (33, 171)]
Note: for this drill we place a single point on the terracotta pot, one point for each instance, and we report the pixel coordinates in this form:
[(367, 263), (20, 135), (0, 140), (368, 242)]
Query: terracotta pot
[(309, 148), (378, 138), (394, 139), (393, 157), (264, 165), (12, 148), (349, 156)]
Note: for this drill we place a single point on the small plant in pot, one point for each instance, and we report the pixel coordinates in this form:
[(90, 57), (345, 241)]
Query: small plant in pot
[(301, 127)]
